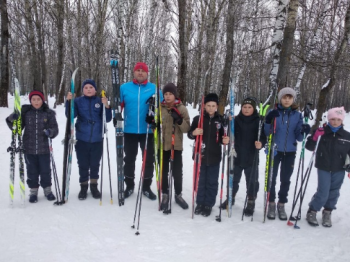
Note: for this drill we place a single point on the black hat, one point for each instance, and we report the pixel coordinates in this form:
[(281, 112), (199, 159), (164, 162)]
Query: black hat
[(170, 87), (249, 101), (211, 97)]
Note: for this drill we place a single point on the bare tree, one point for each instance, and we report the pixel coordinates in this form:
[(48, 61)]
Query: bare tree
[(5, 84)]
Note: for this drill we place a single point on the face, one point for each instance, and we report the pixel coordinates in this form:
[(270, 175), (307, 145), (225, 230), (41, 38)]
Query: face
[(287, 101), (89, 90), (169, 98), (211, 107), (140, 75), (247, 110), (36, 101), (335, 122)]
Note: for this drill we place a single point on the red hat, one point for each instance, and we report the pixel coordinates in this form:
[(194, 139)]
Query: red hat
[(36, 93), (141, 65)]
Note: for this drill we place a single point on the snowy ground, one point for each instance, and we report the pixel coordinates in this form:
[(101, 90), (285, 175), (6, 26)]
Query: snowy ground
[(86, 231)]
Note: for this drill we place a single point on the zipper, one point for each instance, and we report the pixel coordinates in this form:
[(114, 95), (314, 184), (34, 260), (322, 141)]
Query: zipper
[(36, 132), (92, 122), (285, 141), (138, 111), (207, 146)]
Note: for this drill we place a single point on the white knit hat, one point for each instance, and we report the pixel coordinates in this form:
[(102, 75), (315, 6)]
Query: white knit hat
[(286, 91)]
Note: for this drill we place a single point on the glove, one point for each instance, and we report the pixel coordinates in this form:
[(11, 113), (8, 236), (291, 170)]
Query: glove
[(149, 119), (47, 132), (305, 129), (272, 114), (318, 132), (347, 168), (13, 117), (176, 115)]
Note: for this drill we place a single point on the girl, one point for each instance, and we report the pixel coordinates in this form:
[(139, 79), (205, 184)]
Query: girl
[(288, 130), (332, 151), (213, 137), (88, 110), (39, 123)]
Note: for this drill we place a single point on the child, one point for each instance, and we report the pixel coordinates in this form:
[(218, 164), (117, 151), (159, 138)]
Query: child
[(213, 137), (39, 123), (246, 135), (332, 152), (288, 130), (89, 110), (173, 111)]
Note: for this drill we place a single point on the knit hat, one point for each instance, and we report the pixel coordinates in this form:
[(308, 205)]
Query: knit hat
[(286, 91), (36, 93), (211, 97), (141, 65), (336, 112), (89, 81), (249, 101), (170, 87)]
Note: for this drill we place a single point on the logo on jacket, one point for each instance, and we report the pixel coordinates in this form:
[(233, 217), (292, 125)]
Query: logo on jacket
[(97, 105)]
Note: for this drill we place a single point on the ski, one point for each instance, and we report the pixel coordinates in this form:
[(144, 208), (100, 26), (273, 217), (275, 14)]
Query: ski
[(71, 140), (118, 124)]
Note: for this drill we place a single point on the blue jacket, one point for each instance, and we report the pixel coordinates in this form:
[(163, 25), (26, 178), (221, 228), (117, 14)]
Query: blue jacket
[(288, 129), (88, 111), (134, 97)]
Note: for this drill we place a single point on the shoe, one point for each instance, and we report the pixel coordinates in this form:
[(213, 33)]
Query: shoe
[(249, 210), (311, 218), (271, 210), (33, 198), (165, 202), (206, 211), (225, 203), (148, 193), (83, 191), (94, 191), (326, 218), (180, 201), (281, 212), (50, 197), (198, 210), (128, 191)]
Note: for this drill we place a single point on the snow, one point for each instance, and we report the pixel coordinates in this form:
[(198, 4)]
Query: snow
[(85, 231)]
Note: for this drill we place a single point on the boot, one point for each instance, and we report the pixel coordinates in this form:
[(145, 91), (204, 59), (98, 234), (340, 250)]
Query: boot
[(271, 210), (128, 191), (148, 193), (48, 193), (165, 200), (180, 201), (83, 190), (206, 211), (249, 210), (326, 218), (311, 218), (198, 210), (33, 197), (281, 212), (94, 189)]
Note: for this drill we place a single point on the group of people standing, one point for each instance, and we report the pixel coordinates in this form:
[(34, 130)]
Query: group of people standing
[(333, 148)]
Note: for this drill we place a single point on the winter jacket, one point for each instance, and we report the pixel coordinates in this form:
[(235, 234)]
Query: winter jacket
[(167, 125), (288, 129), (89, 111), (212, 138), (134, 99), (246, 133), (34, 122), (332, 149)]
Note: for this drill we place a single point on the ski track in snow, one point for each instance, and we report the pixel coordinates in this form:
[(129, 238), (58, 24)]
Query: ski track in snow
[(85, 231)]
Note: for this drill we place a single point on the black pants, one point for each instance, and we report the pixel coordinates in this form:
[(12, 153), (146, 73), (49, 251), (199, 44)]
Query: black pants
[(251, 183), (38, 165), (177, 171), (131, 144), (89, 156), (287, 166)]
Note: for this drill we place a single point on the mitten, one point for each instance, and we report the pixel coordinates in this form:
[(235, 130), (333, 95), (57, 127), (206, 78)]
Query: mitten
[(176, 115), (272, 114)]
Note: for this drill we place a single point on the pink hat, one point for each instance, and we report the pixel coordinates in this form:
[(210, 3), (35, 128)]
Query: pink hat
[(336, 112)]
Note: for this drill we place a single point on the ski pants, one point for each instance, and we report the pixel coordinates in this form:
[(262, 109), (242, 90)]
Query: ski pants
[(251, 179), (328, 187), (89, 156), (286, 159), (176, 172), (131, 143), (38, 165), (208, 185)]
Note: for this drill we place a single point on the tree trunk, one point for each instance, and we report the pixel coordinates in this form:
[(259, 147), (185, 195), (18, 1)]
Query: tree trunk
[(182, 64), (5, 35)]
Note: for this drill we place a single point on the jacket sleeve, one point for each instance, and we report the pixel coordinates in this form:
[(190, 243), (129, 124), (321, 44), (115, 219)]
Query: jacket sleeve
[(299, 136), (53, 126), (185, 125), (262, 137), (194, 125), (310, 143), (108, 114)]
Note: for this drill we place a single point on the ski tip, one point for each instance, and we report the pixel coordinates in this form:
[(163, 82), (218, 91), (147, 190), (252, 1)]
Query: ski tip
[(290, 223)]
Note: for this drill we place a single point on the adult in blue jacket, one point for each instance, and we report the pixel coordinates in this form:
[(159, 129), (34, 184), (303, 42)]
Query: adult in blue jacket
[(89, 111), (289, 129), (134, 96)]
